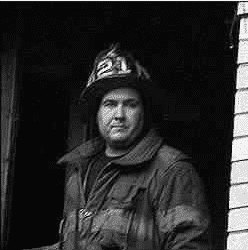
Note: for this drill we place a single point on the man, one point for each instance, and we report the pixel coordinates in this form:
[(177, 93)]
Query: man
[(125, 188)]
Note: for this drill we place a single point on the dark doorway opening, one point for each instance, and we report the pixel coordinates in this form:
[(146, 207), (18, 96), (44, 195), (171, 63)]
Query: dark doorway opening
[(38, 183)]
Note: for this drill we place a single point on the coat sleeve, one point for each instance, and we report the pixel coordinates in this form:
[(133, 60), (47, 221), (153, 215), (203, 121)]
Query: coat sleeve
[(183, 218), (52, 247)]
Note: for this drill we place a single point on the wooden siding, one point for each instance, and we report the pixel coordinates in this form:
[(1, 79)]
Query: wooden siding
[(238, 194)]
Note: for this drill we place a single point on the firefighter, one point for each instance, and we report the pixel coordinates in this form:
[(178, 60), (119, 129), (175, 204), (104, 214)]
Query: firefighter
[(126, 188)]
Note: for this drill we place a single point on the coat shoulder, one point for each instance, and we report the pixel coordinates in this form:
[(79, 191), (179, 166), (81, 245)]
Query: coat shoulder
[(167, 156), (170, 154)]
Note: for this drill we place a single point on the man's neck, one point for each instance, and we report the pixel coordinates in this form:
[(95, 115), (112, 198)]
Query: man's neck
[(112, 152)]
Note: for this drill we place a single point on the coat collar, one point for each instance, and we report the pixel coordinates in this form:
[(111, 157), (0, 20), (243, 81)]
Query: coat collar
[(142, 152)]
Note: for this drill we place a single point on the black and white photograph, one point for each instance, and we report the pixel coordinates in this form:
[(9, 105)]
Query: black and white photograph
[(124, 125)]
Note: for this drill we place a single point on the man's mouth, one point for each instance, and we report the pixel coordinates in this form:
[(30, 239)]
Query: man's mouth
[(118, 127)]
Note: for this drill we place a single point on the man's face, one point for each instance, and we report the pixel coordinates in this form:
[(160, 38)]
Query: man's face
[(120, 117)]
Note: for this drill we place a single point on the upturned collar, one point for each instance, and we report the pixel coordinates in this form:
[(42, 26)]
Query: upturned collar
[(143, 151)]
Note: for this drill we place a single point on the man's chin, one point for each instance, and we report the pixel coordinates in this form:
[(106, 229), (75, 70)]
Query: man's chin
[(118, 136), (118, 142)]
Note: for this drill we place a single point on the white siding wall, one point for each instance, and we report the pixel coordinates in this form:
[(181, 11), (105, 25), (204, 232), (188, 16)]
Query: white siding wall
[(238, 195)]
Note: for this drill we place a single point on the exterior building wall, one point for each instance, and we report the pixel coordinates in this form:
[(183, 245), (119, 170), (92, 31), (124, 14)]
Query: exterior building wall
[(238, 194)]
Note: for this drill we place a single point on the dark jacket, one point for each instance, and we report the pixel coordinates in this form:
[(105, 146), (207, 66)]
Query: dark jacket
[(154, 176), (151, 198)]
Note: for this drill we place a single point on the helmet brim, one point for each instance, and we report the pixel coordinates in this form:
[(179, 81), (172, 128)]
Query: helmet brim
[(102, 86)]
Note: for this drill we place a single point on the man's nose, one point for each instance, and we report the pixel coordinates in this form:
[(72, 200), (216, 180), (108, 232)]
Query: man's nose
[(120, 113)]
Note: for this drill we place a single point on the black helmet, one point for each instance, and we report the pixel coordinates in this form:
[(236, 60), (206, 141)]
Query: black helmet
[(112, 69)]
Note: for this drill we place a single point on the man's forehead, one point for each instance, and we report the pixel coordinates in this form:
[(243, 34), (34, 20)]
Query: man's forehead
[(122, 94)]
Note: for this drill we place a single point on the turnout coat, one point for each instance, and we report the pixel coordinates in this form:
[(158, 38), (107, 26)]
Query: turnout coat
[(151, 198)]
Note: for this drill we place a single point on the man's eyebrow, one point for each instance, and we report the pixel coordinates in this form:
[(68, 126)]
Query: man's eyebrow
[(109, 100), (132, 100), (126, 100)]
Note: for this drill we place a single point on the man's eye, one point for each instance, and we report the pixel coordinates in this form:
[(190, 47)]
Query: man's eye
[(108, 104), (133, 104)]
